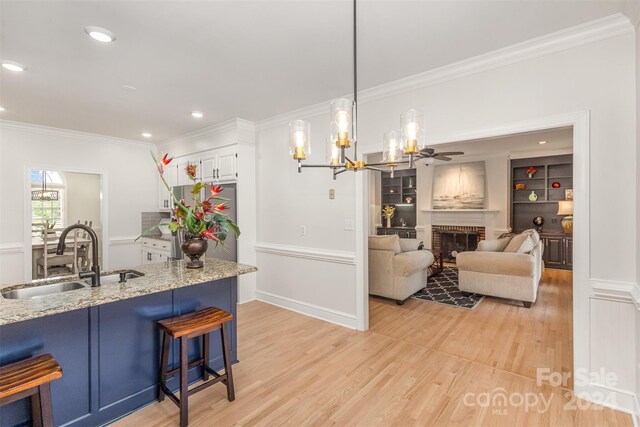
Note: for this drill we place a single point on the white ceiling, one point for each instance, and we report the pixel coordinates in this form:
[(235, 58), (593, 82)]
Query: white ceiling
[(248, 59)]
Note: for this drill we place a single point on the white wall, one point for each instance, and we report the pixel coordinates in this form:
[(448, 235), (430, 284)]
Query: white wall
[(638, 214), (130, 187), (595, 76)]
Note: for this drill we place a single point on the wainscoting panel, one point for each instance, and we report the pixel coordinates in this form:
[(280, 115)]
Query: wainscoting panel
[(11, 263), (315, 282), (612, 308), (124, 252)]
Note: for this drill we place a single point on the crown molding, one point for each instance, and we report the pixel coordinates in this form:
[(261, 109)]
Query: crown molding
[(632, 10), (235, 124), (67, 133), (579, 35)]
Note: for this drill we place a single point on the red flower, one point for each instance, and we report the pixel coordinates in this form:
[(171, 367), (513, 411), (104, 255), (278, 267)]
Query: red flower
[(206, 207), (191, 170), (199, 215), (211, 233), (163, 162), (221, 207), (215, 189)]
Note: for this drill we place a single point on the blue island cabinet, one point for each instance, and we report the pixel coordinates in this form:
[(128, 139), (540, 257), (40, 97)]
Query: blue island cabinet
[(109, 354)]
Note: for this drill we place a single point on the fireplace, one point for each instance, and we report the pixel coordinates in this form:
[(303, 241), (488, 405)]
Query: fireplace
[(449, 240)]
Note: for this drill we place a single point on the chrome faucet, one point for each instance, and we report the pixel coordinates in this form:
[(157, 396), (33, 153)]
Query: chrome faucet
[(95, 268)]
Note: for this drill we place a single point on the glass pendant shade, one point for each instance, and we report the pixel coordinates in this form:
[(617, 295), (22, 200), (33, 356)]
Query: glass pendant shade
[(333, 153), (391, 151), (412, 125), (342, 125), (299, 139)]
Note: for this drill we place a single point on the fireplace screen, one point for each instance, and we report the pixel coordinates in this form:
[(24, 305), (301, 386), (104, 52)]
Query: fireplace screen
[(453, 242)]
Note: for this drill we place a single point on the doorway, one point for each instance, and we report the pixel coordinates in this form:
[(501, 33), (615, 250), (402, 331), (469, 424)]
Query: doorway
[(59, 199)]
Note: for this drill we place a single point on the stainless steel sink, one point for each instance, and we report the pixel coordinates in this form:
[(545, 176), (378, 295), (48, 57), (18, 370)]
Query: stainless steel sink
[(43, 290), (120, 277)]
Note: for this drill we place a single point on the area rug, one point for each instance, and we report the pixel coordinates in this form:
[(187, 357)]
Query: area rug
[(443, 289)]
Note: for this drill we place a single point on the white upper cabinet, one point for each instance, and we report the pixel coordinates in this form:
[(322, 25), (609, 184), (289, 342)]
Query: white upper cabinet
[(219, 165)]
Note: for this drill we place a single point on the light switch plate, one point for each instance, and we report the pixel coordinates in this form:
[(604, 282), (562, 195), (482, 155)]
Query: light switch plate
[(348, 225), (303, 230), (332, 194)]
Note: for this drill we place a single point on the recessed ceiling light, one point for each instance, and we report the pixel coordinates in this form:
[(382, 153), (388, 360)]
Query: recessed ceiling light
[(197, 114), (100, 34), (542, 142), (13, 66), (128, 88), (146, 134)]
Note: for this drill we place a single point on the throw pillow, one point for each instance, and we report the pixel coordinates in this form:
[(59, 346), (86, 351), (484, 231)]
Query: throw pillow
[(385, 243), (520, 243), (497, 245)]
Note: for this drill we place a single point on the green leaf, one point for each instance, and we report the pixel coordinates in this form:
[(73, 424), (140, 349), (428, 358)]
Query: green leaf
[(233, 227)]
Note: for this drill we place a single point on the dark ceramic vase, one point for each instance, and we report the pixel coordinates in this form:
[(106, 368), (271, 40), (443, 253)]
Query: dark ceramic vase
[(194, 247)]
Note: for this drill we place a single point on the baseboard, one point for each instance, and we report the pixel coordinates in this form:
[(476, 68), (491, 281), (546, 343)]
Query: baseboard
[(329, 315), (614, 398), (636, 417)]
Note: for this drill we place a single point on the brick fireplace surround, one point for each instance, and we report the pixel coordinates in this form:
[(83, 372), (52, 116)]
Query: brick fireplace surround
[(436, 229)]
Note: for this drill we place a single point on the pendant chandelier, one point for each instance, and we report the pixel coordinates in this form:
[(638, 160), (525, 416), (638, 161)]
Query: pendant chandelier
[(44, 195), (399, 147)]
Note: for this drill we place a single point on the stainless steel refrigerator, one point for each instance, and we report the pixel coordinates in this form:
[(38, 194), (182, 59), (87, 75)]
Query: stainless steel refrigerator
[(230, 250)]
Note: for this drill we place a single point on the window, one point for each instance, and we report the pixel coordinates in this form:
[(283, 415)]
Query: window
[(51, 211)]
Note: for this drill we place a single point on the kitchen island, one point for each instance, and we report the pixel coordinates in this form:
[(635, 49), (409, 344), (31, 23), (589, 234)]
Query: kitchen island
[(106, 338)]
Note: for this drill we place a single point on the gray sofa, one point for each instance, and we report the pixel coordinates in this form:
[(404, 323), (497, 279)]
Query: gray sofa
[(508, 268), (397, 269)]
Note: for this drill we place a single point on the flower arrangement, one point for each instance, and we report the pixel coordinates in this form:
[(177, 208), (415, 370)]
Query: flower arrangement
[(531, 171), (388, 212), (204, 219)]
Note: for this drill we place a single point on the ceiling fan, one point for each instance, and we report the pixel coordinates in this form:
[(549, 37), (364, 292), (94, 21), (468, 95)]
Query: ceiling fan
[(429, 155)]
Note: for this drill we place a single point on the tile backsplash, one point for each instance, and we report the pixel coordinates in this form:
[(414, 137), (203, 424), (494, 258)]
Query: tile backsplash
[(149, 219)]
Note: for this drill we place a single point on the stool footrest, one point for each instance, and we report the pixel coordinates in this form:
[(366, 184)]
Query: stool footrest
[(176, 400)]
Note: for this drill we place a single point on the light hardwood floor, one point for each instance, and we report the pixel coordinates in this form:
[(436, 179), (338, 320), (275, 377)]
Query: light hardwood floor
[(420, 364)]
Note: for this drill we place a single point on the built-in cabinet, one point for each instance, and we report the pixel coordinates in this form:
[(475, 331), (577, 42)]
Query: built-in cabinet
[(558, 251), (400, 191), (155, 250), (219, 165)]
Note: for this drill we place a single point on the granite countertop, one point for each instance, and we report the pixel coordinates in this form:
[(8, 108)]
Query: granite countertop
[(163, 237), (157, 277)]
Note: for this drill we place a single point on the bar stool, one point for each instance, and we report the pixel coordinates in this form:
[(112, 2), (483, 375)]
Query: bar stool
[(192, 325), (31, 378)]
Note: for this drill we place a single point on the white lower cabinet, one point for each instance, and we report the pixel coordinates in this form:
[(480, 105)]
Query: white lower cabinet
[(155, 250)]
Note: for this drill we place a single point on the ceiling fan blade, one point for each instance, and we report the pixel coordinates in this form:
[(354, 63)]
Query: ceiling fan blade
[(450, 153), (427, 152), (439, 157)]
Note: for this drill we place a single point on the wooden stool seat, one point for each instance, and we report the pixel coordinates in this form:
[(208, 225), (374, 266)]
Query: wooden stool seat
[(31, 378), (192, 325), (27, 374), (196, 323)]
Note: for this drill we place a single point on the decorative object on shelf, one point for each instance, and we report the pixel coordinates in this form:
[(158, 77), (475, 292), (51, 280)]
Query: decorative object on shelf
[(555, 184), (410, 183), (403, 223), (538, 222), (402, 147), (568, 194), (565, 208), (408, 199), (388, 212), (459, 186), (531, 171), (205, 220), (392, 191), (521, 186), (533, 196)]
